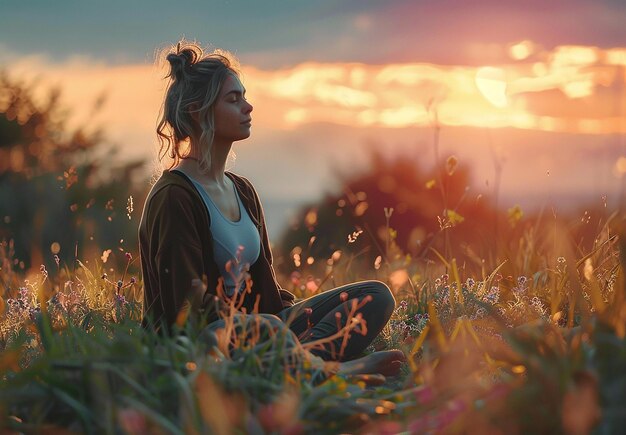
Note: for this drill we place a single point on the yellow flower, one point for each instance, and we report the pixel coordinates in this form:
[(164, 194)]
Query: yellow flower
[(453, 217)]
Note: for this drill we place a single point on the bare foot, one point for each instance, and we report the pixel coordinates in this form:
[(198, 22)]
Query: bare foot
[(386, 363)]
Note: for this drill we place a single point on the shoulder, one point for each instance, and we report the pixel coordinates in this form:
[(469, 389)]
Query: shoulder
[(244, 186), (240, 180), (171, 190)]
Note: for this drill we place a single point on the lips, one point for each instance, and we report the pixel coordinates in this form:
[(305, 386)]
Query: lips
[(247, 122)]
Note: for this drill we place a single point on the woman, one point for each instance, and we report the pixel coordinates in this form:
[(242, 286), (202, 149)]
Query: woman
[(203, 239)]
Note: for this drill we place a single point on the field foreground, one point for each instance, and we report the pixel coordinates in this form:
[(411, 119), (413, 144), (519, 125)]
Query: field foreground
[(535, 345)]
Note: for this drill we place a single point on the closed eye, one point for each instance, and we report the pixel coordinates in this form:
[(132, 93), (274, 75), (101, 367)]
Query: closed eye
[(235, 96)]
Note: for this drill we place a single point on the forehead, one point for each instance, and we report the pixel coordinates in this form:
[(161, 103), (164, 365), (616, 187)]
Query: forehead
[(232, 84)]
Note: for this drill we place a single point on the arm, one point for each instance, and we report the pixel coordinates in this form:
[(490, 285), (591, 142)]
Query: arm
[(175, 252)]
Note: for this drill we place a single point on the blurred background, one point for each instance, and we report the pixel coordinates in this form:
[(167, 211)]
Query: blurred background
[(480, 118)]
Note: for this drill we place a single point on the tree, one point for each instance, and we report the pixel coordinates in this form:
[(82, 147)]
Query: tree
[(425, 209), (58, 195)]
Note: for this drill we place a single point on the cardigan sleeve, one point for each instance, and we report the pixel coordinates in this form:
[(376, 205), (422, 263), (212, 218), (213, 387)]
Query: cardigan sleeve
[(176, 252)]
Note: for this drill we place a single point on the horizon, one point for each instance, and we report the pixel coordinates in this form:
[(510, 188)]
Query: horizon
[(529, 85)]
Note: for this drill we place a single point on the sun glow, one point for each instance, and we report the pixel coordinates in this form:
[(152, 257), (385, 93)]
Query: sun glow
[(491, 83), (532, 93), (521, 50)]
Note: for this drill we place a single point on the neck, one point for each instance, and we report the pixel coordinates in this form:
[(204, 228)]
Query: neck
[(215, 173)]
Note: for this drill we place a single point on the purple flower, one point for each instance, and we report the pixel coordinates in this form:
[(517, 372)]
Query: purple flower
[(120, 299)]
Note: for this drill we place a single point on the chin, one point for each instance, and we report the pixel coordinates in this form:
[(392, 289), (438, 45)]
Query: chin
[(242, 137)]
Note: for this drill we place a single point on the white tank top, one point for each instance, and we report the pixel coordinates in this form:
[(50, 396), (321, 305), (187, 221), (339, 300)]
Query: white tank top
[(236, 245)]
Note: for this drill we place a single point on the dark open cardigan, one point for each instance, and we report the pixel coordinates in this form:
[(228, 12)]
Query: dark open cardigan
[(176, 247)]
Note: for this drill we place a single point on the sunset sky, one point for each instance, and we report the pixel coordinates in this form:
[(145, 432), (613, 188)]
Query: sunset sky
[(540, 86)]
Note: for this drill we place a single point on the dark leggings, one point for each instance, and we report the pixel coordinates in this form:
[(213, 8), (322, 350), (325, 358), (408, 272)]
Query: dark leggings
[(316, 318), (321, 320)]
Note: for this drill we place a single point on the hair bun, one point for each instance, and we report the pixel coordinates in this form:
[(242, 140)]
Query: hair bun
[(181, 61)]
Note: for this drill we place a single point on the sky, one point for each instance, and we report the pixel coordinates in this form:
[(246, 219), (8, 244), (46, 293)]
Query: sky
[(537, 86)]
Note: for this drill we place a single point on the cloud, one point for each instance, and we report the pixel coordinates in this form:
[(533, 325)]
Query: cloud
[(571, 89)]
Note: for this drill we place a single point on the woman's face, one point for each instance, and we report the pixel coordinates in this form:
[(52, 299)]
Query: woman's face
[(231, 113)]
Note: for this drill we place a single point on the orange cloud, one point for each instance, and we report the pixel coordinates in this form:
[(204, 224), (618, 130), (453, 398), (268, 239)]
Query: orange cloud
[(402, 95), (569, 89)]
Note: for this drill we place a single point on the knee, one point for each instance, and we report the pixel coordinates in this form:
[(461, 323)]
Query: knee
[(383, 297)]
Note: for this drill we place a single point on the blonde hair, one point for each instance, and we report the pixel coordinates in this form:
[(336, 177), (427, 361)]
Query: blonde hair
[(195, 82)]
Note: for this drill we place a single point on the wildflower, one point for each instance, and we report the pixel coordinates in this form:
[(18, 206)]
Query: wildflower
[(104, 275), (57, 260), (33, 312), (403, 304), (120, 283), (479, 314), (343, 296), (129, 256), (454, 218), (308, 311), (538, 305), (133, 280), (470, 283), (493, 296), (129, 206), (521, 287), (561, 260)]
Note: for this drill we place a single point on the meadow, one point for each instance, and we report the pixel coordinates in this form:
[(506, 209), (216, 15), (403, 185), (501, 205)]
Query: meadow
[(515, 330), (539, 351)]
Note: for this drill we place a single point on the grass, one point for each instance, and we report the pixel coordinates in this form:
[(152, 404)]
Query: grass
[(539, 350)]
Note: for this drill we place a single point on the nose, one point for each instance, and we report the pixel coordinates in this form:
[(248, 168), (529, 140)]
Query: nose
[(248, 108)]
